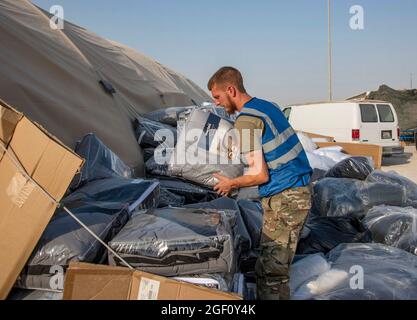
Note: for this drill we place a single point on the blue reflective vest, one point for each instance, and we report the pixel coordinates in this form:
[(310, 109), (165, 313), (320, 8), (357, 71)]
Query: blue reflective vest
[(287, 161)]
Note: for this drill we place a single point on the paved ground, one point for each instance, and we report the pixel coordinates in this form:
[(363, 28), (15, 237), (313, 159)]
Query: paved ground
[(405, 164)]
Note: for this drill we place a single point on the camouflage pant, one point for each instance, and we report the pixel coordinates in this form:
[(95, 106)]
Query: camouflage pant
[(284, 217)]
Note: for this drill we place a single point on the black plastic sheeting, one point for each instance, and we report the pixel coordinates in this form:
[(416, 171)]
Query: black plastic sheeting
[(393, 226), (156, 169), (352, 168), (326, 233), (394, 178), (176, 241), (343, 197), (100, 162), (242, 240), (252, 214), (146, 133), (148, 153)]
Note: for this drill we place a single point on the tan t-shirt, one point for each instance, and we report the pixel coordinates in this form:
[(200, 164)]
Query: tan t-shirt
[(250, 131)]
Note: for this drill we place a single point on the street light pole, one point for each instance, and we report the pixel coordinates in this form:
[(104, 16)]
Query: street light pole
[(330, 50)]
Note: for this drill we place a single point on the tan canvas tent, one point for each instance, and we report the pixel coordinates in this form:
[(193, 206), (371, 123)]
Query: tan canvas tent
[(53, 77)]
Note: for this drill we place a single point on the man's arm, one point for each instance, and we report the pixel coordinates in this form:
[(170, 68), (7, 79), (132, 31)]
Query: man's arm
[(256, 174)]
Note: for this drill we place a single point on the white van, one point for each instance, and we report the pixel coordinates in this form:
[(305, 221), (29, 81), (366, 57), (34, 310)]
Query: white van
[(361, 121)]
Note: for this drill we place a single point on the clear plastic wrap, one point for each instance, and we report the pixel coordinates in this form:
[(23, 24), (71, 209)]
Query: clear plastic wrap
[(176, 241), (394, 178), (352, 168), (202, 150), (150, 133), (343, 197), (248, 193), (25, 294), (65, 241), (148, 153), (334, 153), (305, 269), (388, 274), (192, 193), (393, 226), (100, 162), (215, 281), (242, 238), (319, 162), (170, 115), (326, 233), (307, 142), (170, 199)]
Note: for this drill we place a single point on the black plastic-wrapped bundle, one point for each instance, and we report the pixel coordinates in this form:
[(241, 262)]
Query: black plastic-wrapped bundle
[(352, 168), (170, 199), (65, 241), (156, 169), (394, 178), (100, 162), (150, 133), (135, 193), (252, 214), (148, 153), (191, 192), (326, 233), (176, 241), (242, 239), (393, 226), (343, 197)]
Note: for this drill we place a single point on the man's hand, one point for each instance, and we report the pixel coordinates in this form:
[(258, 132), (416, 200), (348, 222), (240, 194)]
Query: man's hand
[(224, 186)]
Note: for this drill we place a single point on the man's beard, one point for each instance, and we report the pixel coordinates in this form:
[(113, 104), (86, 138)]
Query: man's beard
[(231, 106)]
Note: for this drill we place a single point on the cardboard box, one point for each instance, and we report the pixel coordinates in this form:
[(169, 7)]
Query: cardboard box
[(98, 282), (25, 208)]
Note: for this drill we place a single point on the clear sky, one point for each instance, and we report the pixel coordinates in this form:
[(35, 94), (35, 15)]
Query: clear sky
[(279, 46)]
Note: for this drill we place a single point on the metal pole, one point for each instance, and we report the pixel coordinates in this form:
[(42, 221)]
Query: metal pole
[(330, 51)]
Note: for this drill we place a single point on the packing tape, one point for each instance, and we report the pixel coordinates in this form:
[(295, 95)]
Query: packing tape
[(19, 189)]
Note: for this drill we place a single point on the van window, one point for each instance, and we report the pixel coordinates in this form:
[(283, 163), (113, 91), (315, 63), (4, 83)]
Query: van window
[(385, 113), (287, 112), (368, 113)]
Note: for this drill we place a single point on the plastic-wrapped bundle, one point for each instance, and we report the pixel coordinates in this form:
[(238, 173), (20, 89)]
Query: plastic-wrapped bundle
[(318, 174), (252, 214), (169, 116), (242, 240), (334, 153), (389, 273), (326, 233), (309, 267), (192, 193), (215, 281), (342, 196), (353, 168), (148, 153), (156, 169), (307, 143), (319, 162), (64, 241), (149, 133), (135, 193), (176, 241), (248, 193), (207, 145), (394, 178), (393, 226), (25, 294), (100, 162), (170, 199)]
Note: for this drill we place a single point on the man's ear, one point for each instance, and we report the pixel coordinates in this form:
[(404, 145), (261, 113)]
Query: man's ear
[(231, 90)]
